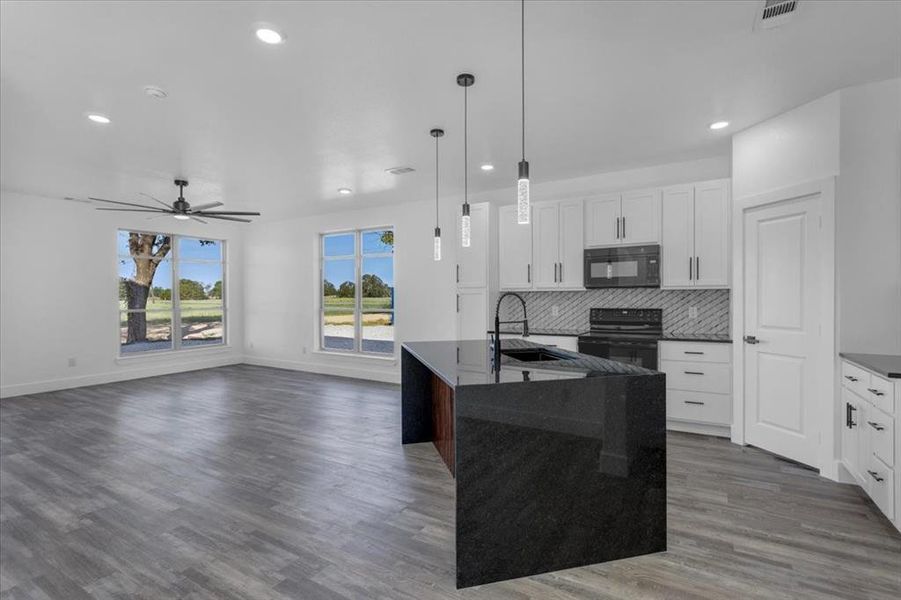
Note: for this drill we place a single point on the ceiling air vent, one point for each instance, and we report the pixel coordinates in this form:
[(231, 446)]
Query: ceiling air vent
[(776, 12), (399, 170)]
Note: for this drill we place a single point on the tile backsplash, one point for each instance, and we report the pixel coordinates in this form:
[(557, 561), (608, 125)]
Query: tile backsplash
[(712, 305)]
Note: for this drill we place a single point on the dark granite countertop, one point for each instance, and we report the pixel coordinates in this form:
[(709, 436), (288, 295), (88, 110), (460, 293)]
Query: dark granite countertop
[(887, 365), (542, 331), (468, 362), (676, 336)]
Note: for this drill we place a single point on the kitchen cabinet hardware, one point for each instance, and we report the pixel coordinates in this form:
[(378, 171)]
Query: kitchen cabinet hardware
[(875, 392), (693, 372), (698, 402), (875, 426), (851, 378), (875, 475), (750, 339)]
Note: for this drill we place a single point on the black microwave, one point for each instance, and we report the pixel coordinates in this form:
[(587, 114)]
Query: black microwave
[(623, 266)]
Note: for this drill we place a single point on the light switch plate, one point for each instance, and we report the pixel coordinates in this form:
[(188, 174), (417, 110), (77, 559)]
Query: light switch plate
[(555, 310), (692, 312)]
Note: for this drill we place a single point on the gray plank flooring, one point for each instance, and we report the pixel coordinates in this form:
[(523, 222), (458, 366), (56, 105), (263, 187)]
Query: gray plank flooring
[(246, 482)]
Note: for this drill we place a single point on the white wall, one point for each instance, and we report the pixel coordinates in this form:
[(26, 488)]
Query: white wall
[(868, 219), (282, 287), (795, 147), (59, 296), (853, 134)]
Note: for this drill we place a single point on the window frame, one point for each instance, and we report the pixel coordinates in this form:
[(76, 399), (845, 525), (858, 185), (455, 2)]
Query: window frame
[(175, 260), (357, 257)]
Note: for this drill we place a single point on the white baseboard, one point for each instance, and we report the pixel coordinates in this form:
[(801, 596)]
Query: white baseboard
[(701, 428), (150, 370), (386, 374)]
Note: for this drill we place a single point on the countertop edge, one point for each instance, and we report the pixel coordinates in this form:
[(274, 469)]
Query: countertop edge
[(866, 361)]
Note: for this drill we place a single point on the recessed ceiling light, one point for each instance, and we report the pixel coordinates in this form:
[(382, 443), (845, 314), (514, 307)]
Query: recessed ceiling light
[(719, 125), (487, 167), (155, 92), (345, 191), (98, 118), (269, 36)]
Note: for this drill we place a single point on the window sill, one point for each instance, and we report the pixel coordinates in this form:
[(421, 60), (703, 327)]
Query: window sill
[(392, 359), (162, 354)]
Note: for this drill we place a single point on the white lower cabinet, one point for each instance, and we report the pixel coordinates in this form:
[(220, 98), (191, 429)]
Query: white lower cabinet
[(870, 440), (698, 386)]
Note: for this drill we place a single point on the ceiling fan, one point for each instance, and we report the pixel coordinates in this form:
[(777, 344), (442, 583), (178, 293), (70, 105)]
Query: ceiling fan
[(180, 209)]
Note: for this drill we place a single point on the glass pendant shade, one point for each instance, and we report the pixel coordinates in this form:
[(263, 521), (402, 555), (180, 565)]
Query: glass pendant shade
[(522, 194), (465, 228), (437, 255)]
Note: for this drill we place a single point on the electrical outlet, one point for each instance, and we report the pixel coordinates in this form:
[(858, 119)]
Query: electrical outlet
[(72, 361), (555, 310), (692, 312)]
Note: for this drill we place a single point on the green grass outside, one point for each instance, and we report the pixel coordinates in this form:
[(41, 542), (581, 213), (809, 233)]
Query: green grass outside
[(192, 311), (335, 306)]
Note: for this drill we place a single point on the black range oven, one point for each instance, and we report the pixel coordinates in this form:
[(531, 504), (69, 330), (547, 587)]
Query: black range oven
[(627, 335)]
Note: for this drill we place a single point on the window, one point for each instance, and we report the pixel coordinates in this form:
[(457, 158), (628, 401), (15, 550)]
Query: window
[(357, 310), (155, 314)]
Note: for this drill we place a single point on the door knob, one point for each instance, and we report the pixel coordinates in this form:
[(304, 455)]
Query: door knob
[(750, 339)]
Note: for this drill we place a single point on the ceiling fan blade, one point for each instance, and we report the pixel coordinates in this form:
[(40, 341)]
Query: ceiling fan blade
[(228, 218), (160, 211), (124, 203), (159, 216), (205, 206), (229, 212), (169, 206), (198, 220)]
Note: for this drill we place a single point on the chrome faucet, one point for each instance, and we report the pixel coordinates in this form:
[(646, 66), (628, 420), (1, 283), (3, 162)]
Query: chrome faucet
[(498, 323)]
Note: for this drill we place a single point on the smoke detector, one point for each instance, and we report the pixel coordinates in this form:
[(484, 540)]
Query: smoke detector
[(774, 13), (399, 170), (155, 92)]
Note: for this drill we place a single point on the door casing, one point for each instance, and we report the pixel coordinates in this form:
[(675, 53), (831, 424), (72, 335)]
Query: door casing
[(825, 360)]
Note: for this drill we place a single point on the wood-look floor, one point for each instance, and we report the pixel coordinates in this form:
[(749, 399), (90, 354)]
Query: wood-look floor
[(245, 482)]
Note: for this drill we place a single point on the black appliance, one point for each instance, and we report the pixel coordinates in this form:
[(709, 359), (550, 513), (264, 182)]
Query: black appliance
[(627, 335), (624, 266)]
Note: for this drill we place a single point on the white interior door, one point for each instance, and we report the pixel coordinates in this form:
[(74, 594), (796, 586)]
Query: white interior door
[(782, 285), (572, 252), (472, 262), (545, 245)]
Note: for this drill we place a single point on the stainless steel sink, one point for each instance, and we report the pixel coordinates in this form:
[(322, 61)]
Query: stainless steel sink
[(534, 354)]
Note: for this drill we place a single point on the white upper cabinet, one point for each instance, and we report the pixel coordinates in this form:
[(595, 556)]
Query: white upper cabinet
[(627, 218), (602, 220), (695, 235), (472, 262), (572, 247), (545, 246), (677, 242), (711, 234), (514, 251), (640, 217)]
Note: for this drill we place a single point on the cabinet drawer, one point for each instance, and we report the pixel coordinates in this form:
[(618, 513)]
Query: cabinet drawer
[(696, 352), (856, 379), (697, 377), (880, 486), (881, 429), (881, 392), (701, 407)]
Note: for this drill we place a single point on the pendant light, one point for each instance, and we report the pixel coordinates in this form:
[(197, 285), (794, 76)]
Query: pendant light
[(522, 185), (437, 133), (465, 80)]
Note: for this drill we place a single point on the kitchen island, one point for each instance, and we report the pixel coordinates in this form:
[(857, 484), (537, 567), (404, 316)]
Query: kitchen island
[(559, 457)]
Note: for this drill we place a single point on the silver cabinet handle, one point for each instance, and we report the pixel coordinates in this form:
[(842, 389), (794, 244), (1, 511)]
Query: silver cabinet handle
[(458, 302), (694, 402), (697, 268), (529, 273), (692, 352), (875, 426), (875, 475), (624, 227), (875, 392), (561, 272), (689, 269), (458, 273), (617, 227), (850, 378), (556, 277), (692, 372)]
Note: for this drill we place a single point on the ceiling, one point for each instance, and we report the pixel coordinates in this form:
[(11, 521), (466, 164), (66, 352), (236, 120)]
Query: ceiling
[(357, 86)]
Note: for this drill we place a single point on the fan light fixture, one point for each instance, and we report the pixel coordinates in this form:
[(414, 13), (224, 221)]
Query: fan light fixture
[(465, 80), (522, 184), (345, 191), (436, 133)]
